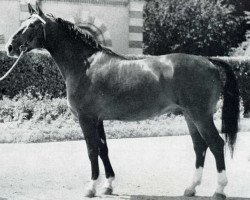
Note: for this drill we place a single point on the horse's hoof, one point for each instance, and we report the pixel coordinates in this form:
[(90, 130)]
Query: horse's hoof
[(218, 196), (107, 191), (89, 193), (189, 193)]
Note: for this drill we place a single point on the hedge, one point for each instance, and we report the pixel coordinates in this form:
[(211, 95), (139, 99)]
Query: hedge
[(201, 27), (36, 72)]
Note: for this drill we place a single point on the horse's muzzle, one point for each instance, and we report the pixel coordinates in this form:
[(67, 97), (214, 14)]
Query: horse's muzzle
[(11, 52)]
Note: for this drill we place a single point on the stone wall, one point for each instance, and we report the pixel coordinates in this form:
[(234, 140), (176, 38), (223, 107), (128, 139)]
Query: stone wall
[(116, 23)]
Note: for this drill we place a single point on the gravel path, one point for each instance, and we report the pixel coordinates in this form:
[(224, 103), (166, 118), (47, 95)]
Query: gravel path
[(146, 168)]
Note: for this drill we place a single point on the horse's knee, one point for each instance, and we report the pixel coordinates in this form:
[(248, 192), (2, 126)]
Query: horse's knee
[(93, 154)]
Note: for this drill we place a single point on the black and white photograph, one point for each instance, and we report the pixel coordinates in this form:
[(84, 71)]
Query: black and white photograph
[(125, 99)]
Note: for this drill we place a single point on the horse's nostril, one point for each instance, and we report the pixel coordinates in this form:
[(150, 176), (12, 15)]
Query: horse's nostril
[(10, 48)]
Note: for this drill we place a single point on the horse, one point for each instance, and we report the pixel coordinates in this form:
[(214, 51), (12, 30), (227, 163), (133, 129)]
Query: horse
[(104, 85)]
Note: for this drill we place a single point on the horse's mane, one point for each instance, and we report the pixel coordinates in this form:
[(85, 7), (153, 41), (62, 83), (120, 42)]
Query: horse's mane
[(80, 35)]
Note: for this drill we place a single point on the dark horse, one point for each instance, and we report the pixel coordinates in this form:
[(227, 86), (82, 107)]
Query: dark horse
[(103, 85)]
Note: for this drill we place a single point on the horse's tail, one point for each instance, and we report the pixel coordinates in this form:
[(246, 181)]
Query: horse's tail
[(231, 104)]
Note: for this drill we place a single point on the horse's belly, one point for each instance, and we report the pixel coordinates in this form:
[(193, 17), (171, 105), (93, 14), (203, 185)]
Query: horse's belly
[(136, 114)]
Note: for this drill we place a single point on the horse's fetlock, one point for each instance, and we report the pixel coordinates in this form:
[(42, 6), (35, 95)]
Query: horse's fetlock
[(223, 182), (198, 182)]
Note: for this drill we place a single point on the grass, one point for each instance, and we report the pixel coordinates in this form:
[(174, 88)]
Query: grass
[(26, 119)]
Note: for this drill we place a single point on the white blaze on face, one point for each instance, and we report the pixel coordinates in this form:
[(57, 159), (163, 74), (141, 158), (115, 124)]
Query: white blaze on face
[(24, 26)]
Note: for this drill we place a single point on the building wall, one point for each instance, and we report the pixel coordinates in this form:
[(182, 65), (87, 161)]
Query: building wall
[(135, 27), (120, 20), (9, 19), (115, 18)]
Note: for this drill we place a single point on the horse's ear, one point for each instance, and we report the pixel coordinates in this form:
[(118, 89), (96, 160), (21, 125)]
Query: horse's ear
[(31, 10), (40, 12)]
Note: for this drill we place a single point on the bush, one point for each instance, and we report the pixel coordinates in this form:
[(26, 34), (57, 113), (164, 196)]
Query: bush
[(192, 26), (26, 107), (35, 72)]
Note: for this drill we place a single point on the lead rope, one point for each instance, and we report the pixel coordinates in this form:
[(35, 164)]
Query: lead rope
[(9, 71)]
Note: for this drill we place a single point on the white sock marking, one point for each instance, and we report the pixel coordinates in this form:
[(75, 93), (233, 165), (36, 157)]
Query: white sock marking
[(92, 186), (108, 182), (221, 182), (196, 178)]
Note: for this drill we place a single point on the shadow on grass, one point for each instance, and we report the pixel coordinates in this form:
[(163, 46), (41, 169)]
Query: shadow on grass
[(146, 197)]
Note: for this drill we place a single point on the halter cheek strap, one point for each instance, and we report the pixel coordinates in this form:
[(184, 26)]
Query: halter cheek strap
[(43, 21)]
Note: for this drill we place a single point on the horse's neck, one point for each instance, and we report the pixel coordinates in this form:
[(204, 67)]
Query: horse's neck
[(69, 56)]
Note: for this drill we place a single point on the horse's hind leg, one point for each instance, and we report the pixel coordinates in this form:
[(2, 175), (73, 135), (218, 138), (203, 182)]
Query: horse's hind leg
[(200, 148), (205, 125), (103, 151)]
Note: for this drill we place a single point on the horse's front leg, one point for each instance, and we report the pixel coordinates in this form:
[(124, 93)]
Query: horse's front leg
[(103, 150), (89, 128)]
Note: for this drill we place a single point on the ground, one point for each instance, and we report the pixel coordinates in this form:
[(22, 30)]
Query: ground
[(146, 168)]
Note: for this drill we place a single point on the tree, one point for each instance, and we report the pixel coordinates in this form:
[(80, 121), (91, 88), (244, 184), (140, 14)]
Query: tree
[(203, 27)]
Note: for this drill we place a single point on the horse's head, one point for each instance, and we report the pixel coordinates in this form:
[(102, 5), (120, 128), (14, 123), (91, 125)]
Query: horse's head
[(30, 35)]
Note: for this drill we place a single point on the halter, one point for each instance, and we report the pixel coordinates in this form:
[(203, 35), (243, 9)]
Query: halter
[(23, 48), (8, 72), (38, 17), (43, 21)]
